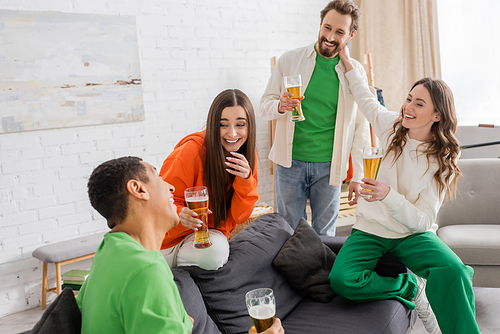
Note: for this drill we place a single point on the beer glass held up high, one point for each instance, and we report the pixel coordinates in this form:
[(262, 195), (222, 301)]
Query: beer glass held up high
[(261, 306), (293, 84), (372, 157), (197, 200)]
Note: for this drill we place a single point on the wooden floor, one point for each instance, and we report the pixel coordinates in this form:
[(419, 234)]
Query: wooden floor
[(487, 312)]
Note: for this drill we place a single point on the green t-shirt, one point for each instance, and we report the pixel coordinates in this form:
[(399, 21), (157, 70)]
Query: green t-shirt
[(130, 290), (313, 138)]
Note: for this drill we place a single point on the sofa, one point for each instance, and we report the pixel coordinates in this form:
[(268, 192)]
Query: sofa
[(216, 299), (470, 224)]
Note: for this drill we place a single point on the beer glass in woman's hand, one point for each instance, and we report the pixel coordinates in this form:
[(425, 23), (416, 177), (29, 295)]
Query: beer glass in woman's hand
[(197, 200), (372, 157)]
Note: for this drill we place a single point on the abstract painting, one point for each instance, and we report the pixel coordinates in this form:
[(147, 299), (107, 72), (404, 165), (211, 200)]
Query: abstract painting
[(64, 70)]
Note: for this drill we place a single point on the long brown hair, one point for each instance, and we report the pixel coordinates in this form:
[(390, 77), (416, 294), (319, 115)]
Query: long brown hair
[(215, 176), (443, 146)]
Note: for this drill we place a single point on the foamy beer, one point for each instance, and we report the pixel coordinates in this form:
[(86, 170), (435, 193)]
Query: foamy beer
[(372, 157), (261, 307), (197, 200), (293, 84)]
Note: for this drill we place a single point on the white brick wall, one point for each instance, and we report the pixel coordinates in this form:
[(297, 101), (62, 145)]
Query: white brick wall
[(190, 50)]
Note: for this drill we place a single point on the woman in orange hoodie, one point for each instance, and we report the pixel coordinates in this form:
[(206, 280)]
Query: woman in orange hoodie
[(222, 158)]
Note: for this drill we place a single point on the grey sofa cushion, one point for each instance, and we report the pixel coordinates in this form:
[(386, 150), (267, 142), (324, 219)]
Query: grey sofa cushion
[(193, 303), (305, 261), (249, 267), (474, 244), (342, 316), (62, 316), (477, 195)]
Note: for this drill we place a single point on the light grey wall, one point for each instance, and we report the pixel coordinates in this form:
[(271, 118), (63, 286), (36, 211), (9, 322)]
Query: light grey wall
[(472, 135)]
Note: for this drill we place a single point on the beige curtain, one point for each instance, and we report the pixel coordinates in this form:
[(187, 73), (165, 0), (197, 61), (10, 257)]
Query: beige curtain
[(402, 36)]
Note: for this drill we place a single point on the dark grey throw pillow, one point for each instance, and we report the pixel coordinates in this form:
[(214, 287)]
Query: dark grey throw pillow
[(306, 263), (62, 316), (249, 267)]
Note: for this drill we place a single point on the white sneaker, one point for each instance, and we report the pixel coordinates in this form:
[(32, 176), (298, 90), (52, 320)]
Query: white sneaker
[(423, 308)]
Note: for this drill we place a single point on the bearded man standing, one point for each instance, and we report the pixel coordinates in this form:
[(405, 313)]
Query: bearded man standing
[(312, 156)]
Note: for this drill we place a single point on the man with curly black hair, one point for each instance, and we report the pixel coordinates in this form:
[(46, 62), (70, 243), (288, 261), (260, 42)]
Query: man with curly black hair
[(130, 287)]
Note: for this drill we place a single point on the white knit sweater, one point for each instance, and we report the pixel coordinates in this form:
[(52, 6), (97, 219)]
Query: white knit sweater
[(413, 201)]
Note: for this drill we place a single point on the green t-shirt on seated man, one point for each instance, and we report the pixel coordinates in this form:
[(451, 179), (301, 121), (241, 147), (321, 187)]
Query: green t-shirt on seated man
[(313, 138), (130, 290)]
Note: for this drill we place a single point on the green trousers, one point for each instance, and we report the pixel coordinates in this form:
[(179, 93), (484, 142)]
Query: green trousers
[(449, 281)]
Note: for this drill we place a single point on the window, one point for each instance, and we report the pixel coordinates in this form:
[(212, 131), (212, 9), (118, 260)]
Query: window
[(470, 57)]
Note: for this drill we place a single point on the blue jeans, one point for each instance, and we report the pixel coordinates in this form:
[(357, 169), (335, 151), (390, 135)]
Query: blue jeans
[(305, 180)]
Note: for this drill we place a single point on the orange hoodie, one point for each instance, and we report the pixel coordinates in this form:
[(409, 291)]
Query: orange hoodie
[(183, 168)]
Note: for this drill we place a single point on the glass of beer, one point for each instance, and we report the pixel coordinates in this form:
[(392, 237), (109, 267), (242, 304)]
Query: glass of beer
[(372, 157), (197, 200), (293, 84), (261, 307)]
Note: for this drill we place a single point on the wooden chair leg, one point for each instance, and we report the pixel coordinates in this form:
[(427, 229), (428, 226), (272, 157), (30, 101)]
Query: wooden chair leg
[(44, 286), (58, 278)]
